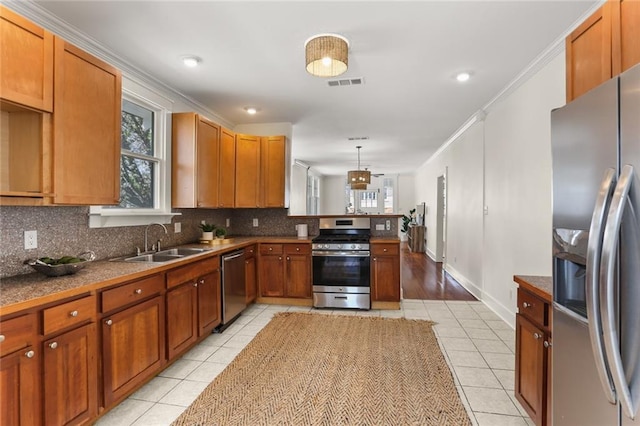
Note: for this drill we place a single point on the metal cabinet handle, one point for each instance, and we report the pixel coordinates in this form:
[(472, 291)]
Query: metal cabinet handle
[(73, 313), (270, 248), (526, 305), (546, 344), (195, 284), (53, 345), (279, 257), (374, 259), (536, 336), (297, 248), (384, 250), (108, 322), (1, 338), (138, 291), (288, 258), (202, 281), (30, 354)]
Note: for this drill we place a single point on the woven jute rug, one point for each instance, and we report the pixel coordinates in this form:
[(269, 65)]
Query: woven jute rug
[(314, 369)]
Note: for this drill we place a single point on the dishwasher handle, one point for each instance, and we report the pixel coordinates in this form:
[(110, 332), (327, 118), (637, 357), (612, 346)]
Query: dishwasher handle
[(232, 256)]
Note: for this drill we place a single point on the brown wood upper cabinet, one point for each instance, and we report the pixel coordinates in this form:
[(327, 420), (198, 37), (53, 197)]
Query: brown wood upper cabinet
[(247, 171), (26, 74), (273, 171), (86, 123), (196, 161), (604, 45), (227, 182)]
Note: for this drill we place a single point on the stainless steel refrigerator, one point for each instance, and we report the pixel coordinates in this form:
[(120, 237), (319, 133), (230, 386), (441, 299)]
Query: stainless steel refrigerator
[(596, 256)]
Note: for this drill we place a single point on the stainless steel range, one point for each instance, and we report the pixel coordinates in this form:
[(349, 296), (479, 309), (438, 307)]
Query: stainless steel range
[(342, 264)]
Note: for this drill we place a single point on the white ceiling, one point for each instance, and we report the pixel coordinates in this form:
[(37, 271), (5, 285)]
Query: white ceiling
[(407, 52)]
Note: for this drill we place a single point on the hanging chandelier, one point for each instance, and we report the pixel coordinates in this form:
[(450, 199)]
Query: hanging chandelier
[(326, 55), (358, 179)]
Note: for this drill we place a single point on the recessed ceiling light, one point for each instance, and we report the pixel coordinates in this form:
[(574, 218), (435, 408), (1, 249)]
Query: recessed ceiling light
[(191, 61), (251, 110), (463, 76)]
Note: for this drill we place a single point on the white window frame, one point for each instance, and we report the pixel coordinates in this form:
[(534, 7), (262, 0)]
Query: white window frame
[(105, 217)]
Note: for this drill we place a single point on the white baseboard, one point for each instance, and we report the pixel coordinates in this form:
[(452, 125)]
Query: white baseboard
[(431, 255), (498, 308)]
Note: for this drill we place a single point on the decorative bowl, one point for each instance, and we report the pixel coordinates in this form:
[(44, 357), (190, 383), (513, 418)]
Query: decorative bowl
[(63, 269)]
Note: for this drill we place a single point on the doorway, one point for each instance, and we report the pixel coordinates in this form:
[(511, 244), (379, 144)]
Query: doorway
[(441, 218)]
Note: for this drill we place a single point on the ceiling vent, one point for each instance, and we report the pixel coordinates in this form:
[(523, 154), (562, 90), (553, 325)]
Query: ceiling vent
[(358, 138), (346, 82)]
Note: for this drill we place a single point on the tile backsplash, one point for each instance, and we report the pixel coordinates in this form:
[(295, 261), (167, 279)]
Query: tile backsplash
[(65, 231)]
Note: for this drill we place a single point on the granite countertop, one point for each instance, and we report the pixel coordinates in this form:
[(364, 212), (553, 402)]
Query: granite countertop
[(539, 285), (29, 290)]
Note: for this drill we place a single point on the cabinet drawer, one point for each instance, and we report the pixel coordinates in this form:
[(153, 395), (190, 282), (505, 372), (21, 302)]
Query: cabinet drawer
[(132, 292), (385, 249), (68, 314), (270, 248), (17, 333), (297, 248), (532, 307), (192, 271), (249, 252)]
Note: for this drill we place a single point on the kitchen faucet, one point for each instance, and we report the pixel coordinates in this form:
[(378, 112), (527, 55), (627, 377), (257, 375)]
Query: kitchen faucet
[(146, 232)]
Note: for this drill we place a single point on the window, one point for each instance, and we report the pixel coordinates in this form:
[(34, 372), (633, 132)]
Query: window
[(144, 189), (376, 199)]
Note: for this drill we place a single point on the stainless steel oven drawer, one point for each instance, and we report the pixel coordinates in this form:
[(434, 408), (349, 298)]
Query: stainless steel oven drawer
[(342, 300)]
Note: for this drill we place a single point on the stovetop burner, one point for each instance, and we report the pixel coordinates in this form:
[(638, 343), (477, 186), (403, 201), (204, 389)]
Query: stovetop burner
[(341, 238)]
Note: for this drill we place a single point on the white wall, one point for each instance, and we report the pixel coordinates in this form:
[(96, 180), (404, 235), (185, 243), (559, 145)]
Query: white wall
[(463, 161), (514, 238), (332, 194), (298, 200), (406, 197)]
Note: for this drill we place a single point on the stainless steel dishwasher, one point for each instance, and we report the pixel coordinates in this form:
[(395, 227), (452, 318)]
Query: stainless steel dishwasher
[(233, 286)]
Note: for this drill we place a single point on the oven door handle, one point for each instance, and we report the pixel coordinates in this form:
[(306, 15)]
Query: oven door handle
[(341, 253)]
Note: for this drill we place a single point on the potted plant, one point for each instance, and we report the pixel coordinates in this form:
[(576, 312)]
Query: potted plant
[(207, 230), (407, 220), (221, 233)]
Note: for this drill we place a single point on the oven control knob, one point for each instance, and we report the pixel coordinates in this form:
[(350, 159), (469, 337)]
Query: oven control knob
[(353, 246), (327, 246)]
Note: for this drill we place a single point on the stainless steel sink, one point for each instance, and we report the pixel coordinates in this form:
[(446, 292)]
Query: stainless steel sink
[(162, 256)]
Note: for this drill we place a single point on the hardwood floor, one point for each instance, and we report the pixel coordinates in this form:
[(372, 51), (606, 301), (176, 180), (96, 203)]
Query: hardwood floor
[(422, 278)]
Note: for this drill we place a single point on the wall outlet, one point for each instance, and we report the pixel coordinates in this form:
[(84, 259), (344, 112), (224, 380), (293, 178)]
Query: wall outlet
[(387, 224), (486, 210), (255, 222), (379, 227), (177, 227), (228, 223), (30, 240)]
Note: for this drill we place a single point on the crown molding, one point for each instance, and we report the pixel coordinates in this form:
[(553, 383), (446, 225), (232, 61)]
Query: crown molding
[(42, 17)]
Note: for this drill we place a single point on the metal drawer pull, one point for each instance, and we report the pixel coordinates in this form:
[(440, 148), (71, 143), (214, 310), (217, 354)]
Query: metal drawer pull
[(30, 354), (297, 248), (108, 322), (53, 345), (536, 336), (547, 344), (73, 313), (526, 305), (138, 291), (1, 338), (195, 284), (202, 281), (270, 248), (384, 250)]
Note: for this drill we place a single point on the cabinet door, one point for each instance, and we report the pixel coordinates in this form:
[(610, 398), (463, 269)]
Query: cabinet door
[(19, 388), (247, 171), (208, 147), (133, 347), (626, 42), (530, 368), (26, 74), (273, 171), (208, 303), (298, 282), (86, 127), (271, 276), (385, 280), (70, 377), (250, 278), (227, 181), (182, 318), (588, 53)]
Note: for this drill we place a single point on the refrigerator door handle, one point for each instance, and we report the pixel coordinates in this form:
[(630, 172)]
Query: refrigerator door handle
[(608, 291), (594, 250)]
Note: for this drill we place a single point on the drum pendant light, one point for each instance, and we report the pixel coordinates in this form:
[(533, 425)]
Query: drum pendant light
[(358, 179), (326, 55)]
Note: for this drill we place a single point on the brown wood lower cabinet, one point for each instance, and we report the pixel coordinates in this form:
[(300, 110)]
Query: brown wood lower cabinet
[(285, 270), (385, 272), (193, 304), (70, 377), (129, 356), (533, 357), (19, 388), (250, 271)]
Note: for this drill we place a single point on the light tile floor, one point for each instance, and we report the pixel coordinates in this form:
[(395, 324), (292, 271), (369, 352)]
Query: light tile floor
[(478, 345)]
